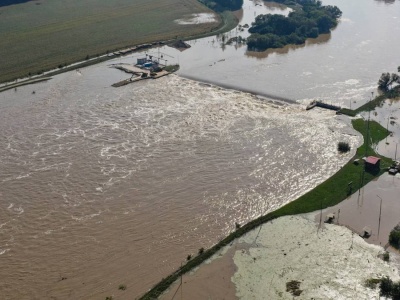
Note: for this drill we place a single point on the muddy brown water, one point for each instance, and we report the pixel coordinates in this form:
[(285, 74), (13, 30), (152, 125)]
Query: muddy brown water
[(102, 186), (365, 209)]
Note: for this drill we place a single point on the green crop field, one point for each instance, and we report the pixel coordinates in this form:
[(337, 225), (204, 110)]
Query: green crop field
[(41, 35)]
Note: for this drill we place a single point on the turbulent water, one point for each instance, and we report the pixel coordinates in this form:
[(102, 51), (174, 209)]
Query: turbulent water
[(102, 186), (97, 180)]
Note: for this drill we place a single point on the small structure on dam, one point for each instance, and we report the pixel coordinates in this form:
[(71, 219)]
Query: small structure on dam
[(322, 105), (145, 68)]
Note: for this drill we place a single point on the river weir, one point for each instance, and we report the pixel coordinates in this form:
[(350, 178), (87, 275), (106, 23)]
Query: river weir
[(102, 186)]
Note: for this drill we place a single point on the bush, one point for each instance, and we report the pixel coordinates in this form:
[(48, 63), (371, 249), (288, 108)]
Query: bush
[(386, 287), (343, 147), (372, 283), (386, 256), (394, 237), (122, 287)]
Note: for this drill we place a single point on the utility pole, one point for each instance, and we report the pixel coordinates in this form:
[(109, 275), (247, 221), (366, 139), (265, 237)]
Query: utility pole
[(320, 219), (181, 284), (387, 128), (380, 212), (369, 117), (367, 138)]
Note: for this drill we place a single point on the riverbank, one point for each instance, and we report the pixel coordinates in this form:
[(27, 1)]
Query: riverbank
[(329, 193)]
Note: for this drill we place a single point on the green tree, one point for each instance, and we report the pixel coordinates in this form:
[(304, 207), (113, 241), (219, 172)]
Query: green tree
[(384, 81), (394, 78), (274, 31), (386, 287), (394, 237)]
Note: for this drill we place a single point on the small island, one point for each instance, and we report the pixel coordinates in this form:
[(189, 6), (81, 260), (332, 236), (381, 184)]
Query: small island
[(308, 20)]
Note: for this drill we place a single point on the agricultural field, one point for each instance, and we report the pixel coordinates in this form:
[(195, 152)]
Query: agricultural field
[(44, 34)]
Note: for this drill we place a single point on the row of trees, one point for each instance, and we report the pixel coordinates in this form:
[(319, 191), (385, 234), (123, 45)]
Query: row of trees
[(387, 80), (275, 31), (221, 5)]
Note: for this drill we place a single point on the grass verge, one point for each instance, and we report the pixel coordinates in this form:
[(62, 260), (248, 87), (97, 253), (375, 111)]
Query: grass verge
[(329, 193), (370, 105)]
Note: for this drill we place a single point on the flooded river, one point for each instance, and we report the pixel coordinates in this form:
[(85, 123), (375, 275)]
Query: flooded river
[(103, 186)]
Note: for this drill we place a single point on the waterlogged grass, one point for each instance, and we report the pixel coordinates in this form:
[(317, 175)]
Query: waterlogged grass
[(370, 105), (327, 194), (37, 36)]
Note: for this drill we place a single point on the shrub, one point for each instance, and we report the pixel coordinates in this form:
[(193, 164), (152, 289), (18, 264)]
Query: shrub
[(122, 287), (386, 256), (372, 283), (394, 237), (343, 147), (201, 250), (189, 257)]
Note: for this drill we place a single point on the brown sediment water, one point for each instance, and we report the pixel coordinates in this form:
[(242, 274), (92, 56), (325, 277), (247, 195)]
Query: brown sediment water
[(102, 186), (364, 208)]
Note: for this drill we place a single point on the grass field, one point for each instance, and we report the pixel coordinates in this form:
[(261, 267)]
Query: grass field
[(41, 35)]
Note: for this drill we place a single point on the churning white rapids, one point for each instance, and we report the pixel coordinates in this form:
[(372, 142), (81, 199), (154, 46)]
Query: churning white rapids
[(330, 263)]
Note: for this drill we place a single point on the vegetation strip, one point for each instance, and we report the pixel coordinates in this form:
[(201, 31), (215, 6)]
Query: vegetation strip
[(388, 92), (25, 82), (329, 193)]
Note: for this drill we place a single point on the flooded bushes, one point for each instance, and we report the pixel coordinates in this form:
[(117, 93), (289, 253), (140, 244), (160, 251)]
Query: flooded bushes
[(394, 237), (293, 287), (343, 147), (389, 289)]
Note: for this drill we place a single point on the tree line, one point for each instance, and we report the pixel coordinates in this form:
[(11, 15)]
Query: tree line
[(222, 5), (308, 20), (385, 83)]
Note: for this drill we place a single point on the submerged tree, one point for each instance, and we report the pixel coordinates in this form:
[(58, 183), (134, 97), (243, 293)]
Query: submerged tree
[(383, 82), (386, 81)]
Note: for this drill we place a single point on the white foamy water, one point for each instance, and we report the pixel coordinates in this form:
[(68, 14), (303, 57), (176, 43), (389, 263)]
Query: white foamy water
[(140, 176), (197, 19), (329, 263)]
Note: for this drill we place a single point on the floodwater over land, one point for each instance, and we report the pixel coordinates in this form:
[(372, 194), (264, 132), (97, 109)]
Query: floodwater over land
[(103, 186), (341, 67)]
